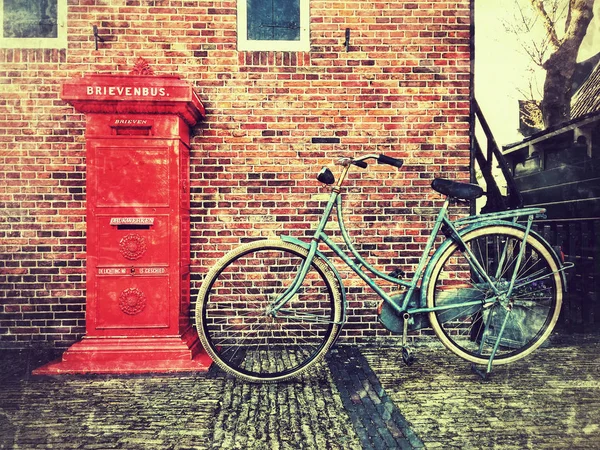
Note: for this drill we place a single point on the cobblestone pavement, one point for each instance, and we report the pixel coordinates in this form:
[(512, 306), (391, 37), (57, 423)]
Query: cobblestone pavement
[(359, 398), (550, 400)]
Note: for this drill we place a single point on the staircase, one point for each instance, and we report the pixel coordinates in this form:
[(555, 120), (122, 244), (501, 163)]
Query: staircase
[(492, 166)]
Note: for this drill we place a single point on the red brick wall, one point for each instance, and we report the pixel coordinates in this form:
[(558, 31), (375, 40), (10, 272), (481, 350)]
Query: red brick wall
[(402, 89)]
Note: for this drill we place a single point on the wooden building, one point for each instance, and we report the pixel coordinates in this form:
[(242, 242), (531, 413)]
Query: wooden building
[(559, 169)]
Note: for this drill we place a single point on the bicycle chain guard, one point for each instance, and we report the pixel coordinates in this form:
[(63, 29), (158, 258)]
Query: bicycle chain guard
[(393, 322)]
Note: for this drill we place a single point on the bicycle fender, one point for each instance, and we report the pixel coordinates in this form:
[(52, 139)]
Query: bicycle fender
[(305, 245), (462, 231), (535, 234)]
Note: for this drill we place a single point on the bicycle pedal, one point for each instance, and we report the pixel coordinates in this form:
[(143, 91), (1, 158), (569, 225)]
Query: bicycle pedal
[(408, 355)]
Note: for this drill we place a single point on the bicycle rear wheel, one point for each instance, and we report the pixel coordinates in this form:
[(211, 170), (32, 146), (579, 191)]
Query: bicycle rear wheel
[(235, 320), (528, 315)]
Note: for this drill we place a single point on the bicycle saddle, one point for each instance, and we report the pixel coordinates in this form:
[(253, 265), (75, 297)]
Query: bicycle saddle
[(461, 191)]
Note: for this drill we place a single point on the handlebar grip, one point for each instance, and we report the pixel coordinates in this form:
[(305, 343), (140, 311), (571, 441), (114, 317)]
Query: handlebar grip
[(360, 164), (383, 159)]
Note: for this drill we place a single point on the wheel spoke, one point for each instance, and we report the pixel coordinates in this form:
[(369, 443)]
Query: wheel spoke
[(234, 312), (472, 332)]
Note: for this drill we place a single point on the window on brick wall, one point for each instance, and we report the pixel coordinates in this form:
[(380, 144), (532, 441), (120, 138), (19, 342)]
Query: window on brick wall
[(265, 25), (33, 23)]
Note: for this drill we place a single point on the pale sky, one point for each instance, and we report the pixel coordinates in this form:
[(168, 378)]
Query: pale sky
[(502, 67)]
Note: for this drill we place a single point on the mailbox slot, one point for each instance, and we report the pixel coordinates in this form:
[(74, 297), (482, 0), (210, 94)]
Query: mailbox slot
[(132, 131), (133, 227), (132, 127)]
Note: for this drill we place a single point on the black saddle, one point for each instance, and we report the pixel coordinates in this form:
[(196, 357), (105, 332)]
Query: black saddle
[(454, 189)]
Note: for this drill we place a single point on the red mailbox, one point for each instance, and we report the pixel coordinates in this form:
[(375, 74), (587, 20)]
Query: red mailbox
[(138, 226)]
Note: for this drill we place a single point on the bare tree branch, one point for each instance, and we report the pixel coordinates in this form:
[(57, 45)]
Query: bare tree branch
[(569, 10), (548, 23), (555, 49), (556, 104)]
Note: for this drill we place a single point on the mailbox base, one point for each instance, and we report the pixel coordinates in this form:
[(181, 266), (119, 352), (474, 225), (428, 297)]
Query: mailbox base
[(131, 355)]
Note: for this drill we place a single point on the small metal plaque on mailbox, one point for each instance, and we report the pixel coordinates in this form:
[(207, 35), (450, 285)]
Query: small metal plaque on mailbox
[(148, 221)]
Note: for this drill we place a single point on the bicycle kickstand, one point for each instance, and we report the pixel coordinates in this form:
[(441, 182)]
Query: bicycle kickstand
[(407, 353), (482, 373), (488, 370)]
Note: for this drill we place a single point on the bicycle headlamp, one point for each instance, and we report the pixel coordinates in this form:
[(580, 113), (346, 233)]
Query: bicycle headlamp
[(325, 176)]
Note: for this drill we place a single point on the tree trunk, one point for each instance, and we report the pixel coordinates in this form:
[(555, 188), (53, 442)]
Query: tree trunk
[(556, 104)]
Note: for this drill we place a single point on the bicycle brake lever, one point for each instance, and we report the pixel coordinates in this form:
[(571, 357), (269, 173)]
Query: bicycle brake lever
[(345, 162)]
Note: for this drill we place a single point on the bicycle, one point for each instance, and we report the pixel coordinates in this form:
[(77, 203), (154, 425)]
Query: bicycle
[(269, 310)]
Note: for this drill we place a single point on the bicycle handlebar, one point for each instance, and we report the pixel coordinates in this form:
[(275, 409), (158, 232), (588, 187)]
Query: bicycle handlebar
[(381, 159)]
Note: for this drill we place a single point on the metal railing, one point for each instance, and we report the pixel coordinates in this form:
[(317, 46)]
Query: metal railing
[(493, 158)]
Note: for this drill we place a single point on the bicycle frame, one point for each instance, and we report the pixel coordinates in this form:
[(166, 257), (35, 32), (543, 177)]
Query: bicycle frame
[(504, 277), (442, 220), (491, 289)]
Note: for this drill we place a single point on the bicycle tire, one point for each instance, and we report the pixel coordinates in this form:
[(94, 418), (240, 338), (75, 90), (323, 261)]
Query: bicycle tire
[(232, 312), (535, 303)]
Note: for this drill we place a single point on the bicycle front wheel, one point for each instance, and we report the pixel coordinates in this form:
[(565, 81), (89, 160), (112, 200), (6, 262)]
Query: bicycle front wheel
[(515, 324), (241, 331)]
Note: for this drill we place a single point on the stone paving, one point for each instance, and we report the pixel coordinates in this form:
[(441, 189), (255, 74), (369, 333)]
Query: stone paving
[(359, 398), (304, 414), (550, 400)]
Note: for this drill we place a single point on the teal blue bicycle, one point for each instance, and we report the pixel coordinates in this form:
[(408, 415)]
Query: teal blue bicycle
[(492, 291)]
